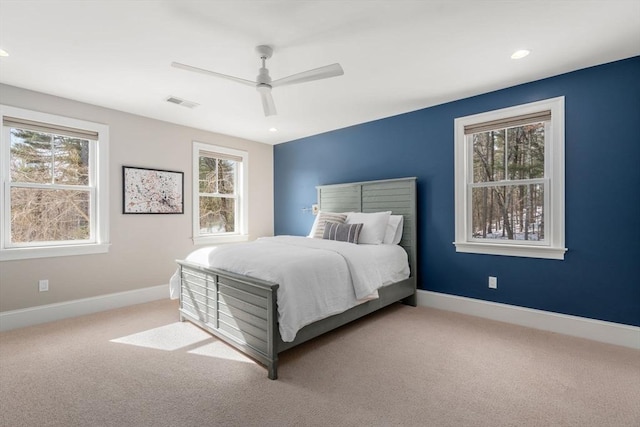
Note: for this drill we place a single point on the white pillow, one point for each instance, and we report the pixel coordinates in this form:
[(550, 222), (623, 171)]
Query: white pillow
[(393, 234), (374, 228), (317, 229)]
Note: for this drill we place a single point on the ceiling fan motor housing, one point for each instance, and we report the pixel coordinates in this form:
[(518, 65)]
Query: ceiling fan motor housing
[(263, 77)]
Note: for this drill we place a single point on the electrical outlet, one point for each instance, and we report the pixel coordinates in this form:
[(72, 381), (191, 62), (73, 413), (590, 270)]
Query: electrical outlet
[(315, 209), (43, 285), (493, 282)]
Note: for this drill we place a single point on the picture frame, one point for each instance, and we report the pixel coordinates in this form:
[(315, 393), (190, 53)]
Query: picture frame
[(152, 191)]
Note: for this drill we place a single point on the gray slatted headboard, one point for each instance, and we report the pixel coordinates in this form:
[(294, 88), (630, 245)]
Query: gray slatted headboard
[(395, 195)]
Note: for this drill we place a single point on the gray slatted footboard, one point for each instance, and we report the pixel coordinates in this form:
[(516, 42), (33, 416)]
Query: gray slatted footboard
[(239, 310)]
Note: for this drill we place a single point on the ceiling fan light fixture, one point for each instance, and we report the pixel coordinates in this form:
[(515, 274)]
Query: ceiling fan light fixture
[(263, 87), (519, 54)]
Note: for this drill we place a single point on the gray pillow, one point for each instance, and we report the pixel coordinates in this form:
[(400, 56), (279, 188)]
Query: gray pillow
[(342, 232)]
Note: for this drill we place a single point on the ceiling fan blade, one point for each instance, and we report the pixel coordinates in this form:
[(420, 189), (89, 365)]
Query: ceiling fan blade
[(268, 105), (212, 73), (327, 71)]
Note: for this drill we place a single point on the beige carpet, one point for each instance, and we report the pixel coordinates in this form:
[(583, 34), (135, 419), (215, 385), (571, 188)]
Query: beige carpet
[(403, 366)]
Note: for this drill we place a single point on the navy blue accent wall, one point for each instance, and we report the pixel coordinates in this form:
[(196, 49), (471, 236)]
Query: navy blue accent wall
[(600, 276)]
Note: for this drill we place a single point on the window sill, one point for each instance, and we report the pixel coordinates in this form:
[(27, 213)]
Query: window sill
[(544, 252), (212, 240), (52, 251)]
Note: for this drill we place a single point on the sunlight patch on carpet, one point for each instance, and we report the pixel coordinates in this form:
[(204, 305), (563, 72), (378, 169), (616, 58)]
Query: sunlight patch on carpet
[(179, 335), (220, 350), (169, 337)]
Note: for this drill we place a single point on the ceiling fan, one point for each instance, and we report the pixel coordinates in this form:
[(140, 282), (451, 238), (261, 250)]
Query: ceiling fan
[(263, 82)]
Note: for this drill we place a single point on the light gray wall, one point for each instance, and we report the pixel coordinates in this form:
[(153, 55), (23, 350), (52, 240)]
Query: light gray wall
[(143, 247)]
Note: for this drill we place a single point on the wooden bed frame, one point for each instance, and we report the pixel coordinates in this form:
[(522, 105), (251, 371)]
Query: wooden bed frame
[(242, 311)]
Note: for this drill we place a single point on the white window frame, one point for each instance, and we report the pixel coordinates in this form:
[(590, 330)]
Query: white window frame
[(554, 178), (98, 183), (241, 232)]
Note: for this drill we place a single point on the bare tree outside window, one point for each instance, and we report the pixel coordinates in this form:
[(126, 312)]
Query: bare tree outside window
[(50, 194), (217, 184), (507, 195)]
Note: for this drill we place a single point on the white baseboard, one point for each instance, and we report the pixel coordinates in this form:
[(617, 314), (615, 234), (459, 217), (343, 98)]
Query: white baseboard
[(597, 330), (47, 313)]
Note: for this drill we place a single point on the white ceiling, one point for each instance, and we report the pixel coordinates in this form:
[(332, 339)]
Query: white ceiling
[(398, 56)]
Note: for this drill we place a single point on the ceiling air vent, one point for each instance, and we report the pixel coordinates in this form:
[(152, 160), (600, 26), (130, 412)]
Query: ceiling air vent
[(182, 102)]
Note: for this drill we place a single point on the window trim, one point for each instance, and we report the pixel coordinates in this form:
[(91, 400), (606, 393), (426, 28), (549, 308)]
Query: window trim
[(242, 214), (99, 174), (554, 173)]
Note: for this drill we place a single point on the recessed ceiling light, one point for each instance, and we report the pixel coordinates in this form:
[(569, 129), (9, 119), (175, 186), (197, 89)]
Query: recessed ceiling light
[(273, 130), (4, 52), (518, 54)]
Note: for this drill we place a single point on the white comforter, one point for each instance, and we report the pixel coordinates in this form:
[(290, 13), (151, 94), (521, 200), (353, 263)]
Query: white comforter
[(317, 278)]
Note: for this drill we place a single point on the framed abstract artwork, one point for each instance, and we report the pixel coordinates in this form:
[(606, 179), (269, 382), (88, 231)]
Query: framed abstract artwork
[(152, 191)]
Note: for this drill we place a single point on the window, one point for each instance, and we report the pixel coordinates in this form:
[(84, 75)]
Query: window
[(54, 185), (509, 181), (219, 194)]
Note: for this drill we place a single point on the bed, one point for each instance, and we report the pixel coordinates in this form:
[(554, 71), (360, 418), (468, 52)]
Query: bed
[(242, 310)]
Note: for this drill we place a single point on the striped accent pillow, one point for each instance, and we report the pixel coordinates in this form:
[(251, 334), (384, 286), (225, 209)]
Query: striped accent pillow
[(342, 232), (322, 218)]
